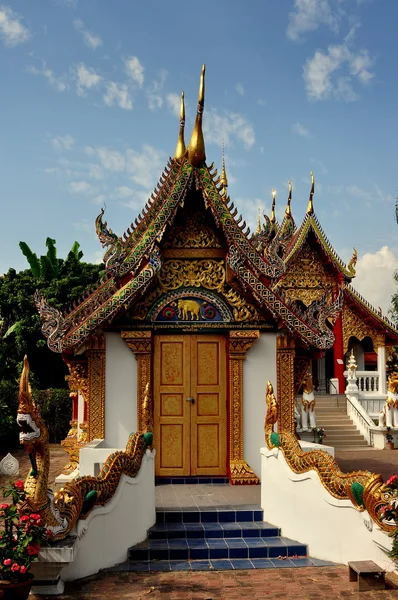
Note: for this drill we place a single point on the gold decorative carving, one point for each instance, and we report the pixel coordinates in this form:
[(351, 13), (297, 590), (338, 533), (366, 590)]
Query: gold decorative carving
[(71, 447), (301, 367), (193, 234), (239, 344), (209, 274), (140, 343), (96, 387), (307, 279), (78, 376), (285, 353), (355, 326), (193, 253)]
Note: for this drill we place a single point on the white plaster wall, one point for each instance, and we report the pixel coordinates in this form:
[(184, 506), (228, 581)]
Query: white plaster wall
[(305, 511), (259, 366), (120, 391), (107, 533)]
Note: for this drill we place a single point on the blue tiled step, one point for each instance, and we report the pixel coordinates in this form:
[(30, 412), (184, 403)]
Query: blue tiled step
[(218, 565), (213, 515), (243, 529), (208, 549)]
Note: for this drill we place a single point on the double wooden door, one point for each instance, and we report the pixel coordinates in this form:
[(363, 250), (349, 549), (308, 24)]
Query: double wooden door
[(190, 405)]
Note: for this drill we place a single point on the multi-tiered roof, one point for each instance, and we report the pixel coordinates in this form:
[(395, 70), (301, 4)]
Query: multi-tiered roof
[(257, 263)]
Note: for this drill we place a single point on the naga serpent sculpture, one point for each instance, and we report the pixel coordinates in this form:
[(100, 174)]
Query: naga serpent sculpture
[(366, 490), (61, 511)]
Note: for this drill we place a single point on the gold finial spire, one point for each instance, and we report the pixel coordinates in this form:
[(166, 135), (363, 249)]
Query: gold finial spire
[(196, 147), (258, 228), (310, 206), (180, 148), (288, 212), (273, 218), (223, 180)]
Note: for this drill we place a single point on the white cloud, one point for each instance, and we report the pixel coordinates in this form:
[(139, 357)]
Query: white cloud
[(174, 102), (90, 39), (155, 99), (62, 142), (12, 31), (135, 70), (144, 167), (123, 192), (308, 15), (320, 72), (261, 102), (58, 83), (86, 78), (227, 126), (375, 277), (299, 129), (111, 160), (118, 93), (239, 88), (80, 187)]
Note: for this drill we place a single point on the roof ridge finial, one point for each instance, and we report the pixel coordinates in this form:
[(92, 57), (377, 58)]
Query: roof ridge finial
[(223, 179), (180, 148), (196, 146), (273, 218), (258, 228), (288, 212), (310, 205)]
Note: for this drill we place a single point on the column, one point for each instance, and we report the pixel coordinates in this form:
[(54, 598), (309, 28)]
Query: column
[(381, 364), (285, 353), (140, 343), (96, 387), (239, 344), (338, 353)]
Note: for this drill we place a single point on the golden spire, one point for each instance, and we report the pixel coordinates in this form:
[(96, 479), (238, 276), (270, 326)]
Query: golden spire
[(180, 148), (196, 146), (310, 206), (288, 212), (223, 180), (258, 228), (273, 218)]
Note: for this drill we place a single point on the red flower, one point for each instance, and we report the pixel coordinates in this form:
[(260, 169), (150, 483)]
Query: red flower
[(19, 484), (15, 567), (392, 481), (33, 549), (7, 562), (23, 570), (35, 517), (4, 506), (24, 518)]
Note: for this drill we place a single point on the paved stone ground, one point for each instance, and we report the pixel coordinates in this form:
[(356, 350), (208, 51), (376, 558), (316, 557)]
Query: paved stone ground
[(321, 583)]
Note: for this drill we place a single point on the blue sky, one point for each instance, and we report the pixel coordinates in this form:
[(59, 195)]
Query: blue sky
[(88, 115)]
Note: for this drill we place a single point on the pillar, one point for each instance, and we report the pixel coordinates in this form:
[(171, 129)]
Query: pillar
[(381, 366), (285, 353), (338, 353), (239, 343), (96, 387), (140, 343)]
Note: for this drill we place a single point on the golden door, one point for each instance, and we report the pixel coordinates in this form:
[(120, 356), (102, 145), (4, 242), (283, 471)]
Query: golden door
[(190, 405)]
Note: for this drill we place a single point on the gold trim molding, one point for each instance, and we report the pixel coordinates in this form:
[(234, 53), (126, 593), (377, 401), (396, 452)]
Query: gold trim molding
[(285, 353), (96, 387), (141, 344), (354, 326), (239, 344)]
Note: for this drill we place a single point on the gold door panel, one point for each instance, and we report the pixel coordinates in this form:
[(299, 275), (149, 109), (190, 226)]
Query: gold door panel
[(190, 405)]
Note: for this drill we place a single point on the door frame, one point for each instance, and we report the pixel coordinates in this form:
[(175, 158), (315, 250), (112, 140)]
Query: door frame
[(238, 342)]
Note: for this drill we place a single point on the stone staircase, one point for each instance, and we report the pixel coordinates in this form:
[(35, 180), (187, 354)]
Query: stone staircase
[(340, 430)]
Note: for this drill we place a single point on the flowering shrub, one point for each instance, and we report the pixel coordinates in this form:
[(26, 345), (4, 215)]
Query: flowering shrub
[(20, 537), (320, 433)]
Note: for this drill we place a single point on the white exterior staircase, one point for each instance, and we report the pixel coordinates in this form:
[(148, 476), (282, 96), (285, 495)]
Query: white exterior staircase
[(331, 414)]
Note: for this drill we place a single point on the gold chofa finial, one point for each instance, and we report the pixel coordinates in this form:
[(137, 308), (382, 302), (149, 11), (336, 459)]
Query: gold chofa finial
[(310, 205), (258, 228), (273, 218), (288, 212), (196, 146), (180, 148), (223, 180)]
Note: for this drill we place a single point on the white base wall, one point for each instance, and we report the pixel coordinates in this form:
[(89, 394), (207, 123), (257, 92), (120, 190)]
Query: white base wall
[(258, 367), (305, 511), (107, 533), (120, 391)]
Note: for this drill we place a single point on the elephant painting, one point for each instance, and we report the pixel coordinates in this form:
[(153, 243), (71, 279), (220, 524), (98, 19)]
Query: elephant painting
[(189, 309)]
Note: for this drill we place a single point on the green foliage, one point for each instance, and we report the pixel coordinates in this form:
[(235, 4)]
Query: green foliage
[(56, 411), (20, 330)]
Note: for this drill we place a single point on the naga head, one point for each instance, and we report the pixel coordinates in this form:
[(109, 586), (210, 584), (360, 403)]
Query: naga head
[(393, 382), (31, 426)]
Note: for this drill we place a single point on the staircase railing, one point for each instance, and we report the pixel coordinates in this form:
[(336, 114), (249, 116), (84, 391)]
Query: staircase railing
[(360, 418)]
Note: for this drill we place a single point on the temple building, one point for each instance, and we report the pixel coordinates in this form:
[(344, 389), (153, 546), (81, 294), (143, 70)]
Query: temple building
[(199, 313)]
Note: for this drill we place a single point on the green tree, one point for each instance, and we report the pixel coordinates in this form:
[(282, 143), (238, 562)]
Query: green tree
[(47, 266)]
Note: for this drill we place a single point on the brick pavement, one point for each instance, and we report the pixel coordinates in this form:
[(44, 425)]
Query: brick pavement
[(321, 583)]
